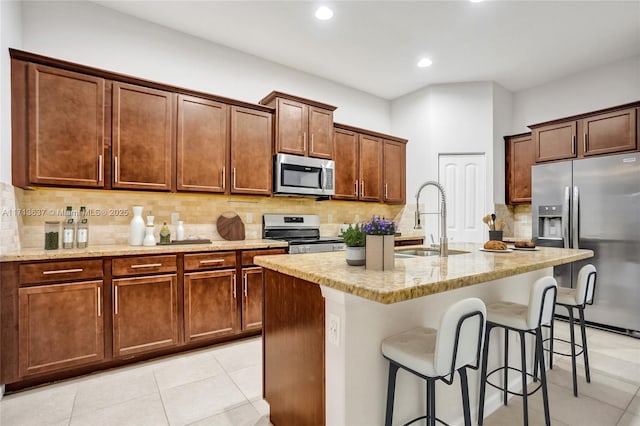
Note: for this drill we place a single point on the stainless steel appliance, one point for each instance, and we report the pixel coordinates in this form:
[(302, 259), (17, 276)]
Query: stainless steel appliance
[(302, 231), (307, 176), (594, 204)]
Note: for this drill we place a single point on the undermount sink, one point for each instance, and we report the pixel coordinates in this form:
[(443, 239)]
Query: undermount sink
[(423, 252)]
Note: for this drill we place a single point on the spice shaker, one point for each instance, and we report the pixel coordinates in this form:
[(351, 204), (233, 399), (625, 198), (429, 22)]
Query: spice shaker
[(51, 235), (82, 233), (68, 230)]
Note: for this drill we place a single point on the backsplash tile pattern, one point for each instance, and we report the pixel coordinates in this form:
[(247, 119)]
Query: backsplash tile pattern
[(110, 212), (517, 218), (9, 219)]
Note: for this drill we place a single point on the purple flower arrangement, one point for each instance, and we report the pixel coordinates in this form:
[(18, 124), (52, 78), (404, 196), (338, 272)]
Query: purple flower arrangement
[(379, 226)]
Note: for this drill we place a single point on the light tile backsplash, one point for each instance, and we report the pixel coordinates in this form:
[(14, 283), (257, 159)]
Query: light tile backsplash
[(110, 212), (9, 219), (517, 219)]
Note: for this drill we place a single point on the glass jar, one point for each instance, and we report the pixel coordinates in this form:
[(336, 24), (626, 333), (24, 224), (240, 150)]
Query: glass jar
[(51, 235)]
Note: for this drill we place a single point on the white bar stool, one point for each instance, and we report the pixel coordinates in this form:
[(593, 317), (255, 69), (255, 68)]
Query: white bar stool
[(522, 319), (438, 354), (572, 299)]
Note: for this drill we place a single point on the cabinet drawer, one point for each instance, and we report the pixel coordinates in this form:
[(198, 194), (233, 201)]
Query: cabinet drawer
[(68, 270), (143, 265), (248, 255), (201, 261)]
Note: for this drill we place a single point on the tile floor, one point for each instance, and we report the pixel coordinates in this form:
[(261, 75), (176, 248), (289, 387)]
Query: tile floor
[(222, 386)]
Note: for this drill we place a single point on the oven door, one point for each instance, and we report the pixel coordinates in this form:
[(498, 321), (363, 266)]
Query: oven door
[(297, 175)]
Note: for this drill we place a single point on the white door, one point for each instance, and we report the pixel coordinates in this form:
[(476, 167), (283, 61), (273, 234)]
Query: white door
[(463, 177)]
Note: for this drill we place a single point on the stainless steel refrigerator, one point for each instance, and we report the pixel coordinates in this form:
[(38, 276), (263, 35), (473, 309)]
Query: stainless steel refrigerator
[(594, 204)]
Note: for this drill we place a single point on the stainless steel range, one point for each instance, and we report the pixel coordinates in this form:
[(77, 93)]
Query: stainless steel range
[(302, 231)]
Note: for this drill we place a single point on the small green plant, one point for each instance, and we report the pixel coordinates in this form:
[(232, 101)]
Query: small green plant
[(354, 236)]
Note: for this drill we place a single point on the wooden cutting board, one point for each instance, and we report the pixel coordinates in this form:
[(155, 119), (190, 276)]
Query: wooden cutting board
[(230, 226)]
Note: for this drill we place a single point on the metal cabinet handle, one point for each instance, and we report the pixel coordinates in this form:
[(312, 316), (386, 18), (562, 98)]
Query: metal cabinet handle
[(233, 175), (223, 180), (585, 142), (115, 299), (246, 278), (355, 191), (207, 261), (146, 265), (62, 271), (304, 141), (575, 220), (386, 191), (362, 188), (311, 150), (234, 285), (573, 144), (99, 301), (115, 167), (100, 168)]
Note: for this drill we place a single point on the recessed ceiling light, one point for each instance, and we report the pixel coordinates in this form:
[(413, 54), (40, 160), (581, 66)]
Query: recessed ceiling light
[(424, 62), (323, 13), (475, 1)]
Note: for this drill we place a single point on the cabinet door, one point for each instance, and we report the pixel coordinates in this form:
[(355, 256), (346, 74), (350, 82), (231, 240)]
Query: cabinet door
[(291, 127), (612, 132), (145, 315), (555, 142), (202, 145), (252, 298), (142, 137), (320, 133), (210, 304), (66, 127), (60, 326), (346, 159), (251, 159), (394, 172), (370, 168), (520, 157)]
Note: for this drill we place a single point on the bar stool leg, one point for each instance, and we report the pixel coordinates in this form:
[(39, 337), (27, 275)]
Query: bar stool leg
[(523, 366), (543, 376), (573, 351), (464, 386), (585, 354), (551, 330), (483, 373), (391, 390), (431, 403), (506, 366)]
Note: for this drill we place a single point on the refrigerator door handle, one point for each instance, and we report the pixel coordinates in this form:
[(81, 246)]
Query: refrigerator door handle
[(575, 225), (565, 218)]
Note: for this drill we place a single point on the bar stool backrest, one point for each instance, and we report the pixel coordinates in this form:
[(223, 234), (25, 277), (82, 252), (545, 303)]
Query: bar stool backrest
[(459, 338), (542, 300), (586, 285)]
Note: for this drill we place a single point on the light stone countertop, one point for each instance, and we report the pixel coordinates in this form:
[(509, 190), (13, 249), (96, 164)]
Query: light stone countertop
[(125, 250), (417, 276)]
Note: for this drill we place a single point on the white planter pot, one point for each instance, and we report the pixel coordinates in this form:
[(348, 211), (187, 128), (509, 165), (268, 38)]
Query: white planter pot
[(356, 256)]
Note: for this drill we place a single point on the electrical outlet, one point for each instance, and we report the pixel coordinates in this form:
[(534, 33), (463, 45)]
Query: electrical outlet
[(330, 218), (333, 329), (356, 218), (249, 217), (175, 217)]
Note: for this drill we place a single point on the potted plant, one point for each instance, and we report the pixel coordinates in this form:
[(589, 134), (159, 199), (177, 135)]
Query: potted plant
[(380, 243), (354, 240)]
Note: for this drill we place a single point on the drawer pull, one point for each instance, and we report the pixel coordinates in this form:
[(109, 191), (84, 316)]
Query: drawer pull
[(146, 265), (62, 271), (234, 285), (115, 298), (206, 262), (99, 301), (246, 277)]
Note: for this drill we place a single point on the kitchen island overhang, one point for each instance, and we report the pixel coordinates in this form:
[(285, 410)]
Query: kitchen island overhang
[(324, 321)]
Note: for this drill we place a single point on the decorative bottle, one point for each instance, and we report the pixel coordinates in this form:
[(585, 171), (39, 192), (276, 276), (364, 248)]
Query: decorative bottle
[(165, 234), (68, 230), (149, 238), (82, 234), (180, 231), (136, 227)]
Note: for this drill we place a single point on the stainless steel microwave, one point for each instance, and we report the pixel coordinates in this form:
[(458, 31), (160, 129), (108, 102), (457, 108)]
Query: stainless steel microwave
[(297, 175)]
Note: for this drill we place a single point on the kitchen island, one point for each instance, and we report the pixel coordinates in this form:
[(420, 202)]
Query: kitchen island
[(324, 322)]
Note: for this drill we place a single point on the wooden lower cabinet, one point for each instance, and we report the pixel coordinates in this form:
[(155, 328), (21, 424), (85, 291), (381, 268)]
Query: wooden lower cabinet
[(145, 314), (210, 304), (252, 298), (60, 326)]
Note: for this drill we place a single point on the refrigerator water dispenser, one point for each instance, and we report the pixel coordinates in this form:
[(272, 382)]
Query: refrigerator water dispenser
[(550, 222)]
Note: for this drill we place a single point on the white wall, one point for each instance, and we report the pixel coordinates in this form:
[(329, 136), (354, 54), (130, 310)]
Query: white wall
[(10, 36), (502, 122), (610, 85)]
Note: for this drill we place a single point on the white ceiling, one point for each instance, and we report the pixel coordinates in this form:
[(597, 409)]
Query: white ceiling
[(374, 45)]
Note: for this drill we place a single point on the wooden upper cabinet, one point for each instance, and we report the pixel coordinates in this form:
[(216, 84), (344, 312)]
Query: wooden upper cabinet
[(251, 159), (65, 116), (612, 132), (346, 163), (555, 141), (143, 135), (520, 156), (303, 127), (370, 165), (202, 145), (394, 172)]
